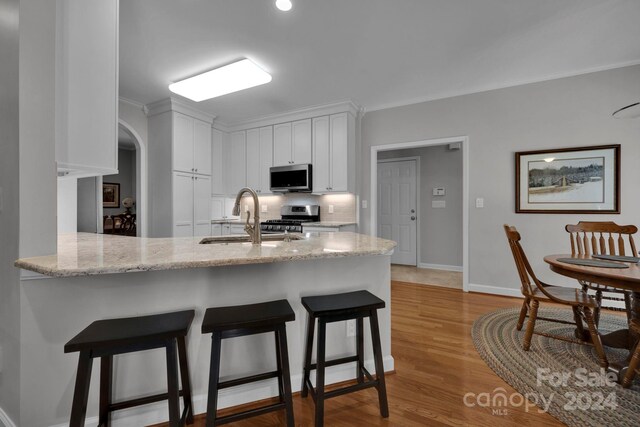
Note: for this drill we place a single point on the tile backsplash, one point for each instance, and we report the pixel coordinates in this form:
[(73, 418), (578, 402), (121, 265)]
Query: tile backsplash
[(344, 205)]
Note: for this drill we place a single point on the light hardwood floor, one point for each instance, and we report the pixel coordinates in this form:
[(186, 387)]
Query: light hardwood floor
[(426, 276), (436, 365)]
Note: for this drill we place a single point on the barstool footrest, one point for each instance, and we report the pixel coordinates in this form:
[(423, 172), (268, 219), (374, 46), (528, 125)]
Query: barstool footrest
[(126, 404), (335, 362), (249, 379), (344, 390), (249, 413)]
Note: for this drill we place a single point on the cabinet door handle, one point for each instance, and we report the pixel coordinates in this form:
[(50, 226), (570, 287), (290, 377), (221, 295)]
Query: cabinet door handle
[(196, 178)]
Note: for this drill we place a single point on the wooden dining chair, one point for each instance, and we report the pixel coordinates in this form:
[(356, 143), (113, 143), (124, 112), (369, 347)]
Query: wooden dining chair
[(634, 364), (535, 291), (602, 238)]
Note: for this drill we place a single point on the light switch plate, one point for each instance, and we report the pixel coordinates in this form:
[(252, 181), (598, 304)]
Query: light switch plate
[(330, 208), (438, 204), (264, 209), (479, 202), (365, 204), (438, 191)]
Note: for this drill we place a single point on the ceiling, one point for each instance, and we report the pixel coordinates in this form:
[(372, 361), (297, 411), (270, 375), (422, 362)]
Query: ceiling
[(377, 53)]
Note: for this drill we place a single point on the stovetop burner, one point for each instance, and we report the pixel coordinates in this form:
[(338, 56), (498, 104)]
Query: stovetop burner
[(292, 219)]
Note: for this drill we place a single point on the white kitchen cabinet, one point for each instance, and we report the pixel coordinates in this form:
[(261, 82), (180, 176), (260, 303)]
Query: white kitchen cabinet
[(236, 163), (282, 144), (201, 205), (86, 87), (180, 150), (301, 142), (334, 154), (292, 143), (216, 229), (191, 145), (237, 229), (259, 157), (226, 229), (202, 147), (217, 163), (191, 205), (182, 204)]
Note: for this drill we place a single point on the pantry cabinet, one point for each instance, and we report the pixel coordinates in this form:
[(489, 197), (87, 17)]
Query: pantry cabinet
[(191, 203), (191, 145), (179, 164)]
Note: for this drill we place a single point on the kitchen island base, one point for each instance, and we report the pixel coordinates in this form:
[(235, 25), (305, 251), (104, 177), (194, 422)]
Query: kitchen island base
[(54, 310)]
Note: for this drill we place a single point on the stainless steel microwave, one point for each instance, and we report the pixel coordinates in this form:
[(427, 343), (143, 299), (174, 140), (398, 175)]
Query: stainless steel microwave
[(291, 178)]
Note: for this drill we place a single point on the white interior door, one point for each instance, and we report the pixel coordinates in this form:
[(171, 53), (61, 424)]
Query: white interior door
[(397, 206)]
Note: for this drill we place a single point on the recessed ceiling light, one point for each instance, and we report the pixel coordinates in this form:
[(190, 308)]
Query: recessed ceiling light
[(221, 81), (284, 5)]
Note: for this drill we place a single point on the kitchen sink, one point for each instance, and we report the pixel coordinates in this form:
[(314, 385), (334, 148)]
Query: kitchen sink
[(247, 239)]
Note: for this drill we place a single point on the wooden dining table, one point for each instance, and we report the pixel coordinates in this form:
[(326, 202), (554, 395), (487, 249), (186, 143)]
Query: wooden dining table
[(621, 278)]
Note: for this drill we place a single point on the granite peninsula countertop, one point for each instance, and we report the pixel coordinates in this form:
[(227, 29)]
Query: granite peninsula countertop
[(328, 224), (86, 254)]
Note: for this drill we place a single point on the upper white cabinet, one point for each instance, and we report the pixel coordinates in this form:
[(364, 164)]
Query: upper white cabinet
[(218, 162), (259, 158), (87, 87), (191, 145), (292, 143), (334, 140), (236, 177)]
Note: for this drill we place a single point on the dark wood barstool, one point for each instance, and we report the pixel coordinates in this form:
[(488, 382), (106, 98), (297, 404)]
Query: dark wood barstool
[(238, 321), (107, 338), (334, 308)]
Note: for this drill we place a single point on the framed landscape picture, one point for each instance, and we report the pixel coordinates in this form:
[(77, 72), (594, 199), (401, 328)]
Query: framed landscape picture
[(110, 195), (569, 180)]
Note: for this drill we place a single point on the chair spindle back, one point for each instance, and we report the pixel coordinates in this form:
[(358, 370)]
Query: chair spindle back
[(601, 238)]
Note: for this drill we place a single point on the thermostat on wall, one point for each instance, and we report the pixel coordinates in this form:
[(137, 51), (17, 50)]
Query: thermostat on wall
[(438, 191)]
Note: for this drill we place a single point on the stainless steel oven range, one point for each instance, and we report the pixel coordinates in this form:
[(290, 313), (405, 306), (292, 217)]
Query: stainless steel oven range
[(292, 218)]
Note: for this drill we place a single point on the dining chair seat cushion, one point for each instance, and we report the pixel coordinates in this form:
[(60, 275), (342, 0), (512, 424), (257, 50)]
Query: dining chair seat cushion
[(571, 296)]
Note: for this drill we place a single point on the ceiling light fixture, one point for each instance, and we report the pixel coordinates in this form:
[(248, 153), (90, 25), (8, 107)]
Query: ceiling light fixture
[(549, 159), (629, 112), (284, 5), (221, 81)]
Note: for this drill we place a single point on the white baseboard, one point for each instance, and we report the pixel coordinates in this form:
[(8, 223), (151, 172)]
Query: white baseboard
[(157, 412), (5, 420), (445, 267), (495, 290)]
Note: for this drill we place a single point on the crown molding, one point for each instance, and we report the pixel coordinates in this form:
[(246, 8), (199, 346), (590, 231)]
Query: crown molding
[(348, 106), (506, 85), (172, 104), (136, 104)]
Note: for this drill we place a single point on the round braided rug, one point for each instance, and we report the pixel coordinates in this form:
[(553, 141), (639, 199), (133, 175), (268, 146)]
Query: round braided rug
[(574, 388)]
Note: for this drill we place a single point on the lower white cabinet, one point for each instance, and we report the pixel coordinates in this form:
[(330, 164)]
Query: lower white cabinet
[(237, 229), (216, 229), (191, 205)]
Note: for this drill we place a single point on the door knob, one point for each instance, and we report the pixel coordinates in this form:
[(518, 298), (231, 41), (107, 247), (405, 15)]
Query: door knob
[(413, 211), (413, 218)]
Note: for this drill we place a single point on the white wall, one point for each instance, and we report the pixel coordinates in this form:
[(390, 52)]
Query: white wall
[(67, 205), (568, 112), (9, 211), (440, 233)]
